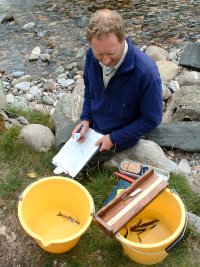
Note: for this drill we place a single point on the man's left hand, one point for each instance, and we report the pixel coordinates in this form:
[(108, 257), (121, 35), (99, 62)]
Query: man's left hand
[(104, 143)]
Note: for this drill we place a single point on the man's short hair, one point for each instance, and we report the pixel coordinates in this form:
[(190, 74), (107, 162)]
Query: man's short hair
[(106, 21)]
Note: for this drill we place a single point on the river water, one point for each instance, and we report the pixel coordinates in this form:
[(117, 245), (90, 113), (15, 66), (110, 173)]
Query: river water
[(60, 28)]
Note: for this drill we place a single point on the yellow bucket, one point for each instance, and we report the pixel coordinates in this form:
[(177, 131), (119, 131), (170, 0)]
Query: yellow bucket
[(152, 245), (55, 211)]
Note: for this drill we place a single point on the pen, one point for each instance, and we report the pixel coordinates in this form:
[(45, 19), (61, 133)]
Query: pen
[(77, 135), (79, 129)]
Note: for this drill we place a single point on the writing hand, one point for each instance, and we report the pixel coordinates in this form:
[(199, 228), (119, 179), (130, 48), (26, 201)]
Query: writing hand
[(81, 128), (104, 143)]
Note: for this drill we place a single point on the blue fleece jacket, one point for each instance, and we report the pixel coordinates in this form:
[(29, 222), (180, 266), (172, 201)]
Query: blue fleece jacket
[(131, 105)]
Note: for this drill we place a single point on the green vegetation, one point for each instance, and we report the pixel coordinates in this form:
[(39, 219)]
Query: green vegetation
[(95, 248)]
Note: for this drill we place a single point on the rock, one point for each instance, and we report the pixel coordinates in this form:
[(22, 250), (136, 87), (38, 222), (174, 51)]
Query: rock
[(60, 69), (37, 136), (24, 86), (181, 135), (49, 85), (157, 53), (168, 70), (17, 74), (7, 19), (184, 166), (11, 120), (45, 58), (183, 105), (48, 100), (79, 87), (2, 124), (188, 78), (146, 152), (65, 83), (20, 102), (35, 91), (191, 56), (10, 98), (68, 109), (25, 78), (194, 182), (174, 86), (28, 26), (193, 222), (3, 101), (35, 54), (165, 91)]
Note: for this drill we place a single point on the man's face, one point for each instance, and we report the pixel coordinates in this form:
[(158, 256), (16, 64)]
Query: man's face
[(108, 50)]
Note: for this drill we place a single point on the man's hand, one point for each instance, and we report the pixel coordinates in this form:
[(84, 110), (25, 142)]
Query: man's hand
[(81, 128), (104, 143)]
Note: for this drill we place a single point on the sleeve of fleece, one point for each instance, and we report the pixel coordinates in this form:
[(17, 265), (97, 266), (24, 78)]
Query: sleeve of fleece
[(150, 105), (86, 111)]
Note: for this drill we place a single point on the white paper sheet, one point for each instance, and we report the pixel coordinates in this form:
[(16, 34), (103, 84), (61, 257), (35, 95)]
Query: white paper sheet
[(74, 155)]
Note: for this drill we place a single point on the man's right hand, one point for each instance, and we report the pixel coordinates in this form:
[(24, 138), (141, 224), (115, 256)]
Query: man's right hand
[(82, 128)]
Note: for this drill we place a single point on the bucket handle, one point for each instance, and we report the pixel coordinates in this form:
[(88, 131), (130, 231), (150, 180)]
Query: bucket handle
[(176, 241), (118, 237)]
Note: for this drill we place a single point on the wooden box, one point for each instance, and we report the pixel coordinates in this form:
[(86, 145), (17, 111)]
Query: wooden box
[(125, 206)]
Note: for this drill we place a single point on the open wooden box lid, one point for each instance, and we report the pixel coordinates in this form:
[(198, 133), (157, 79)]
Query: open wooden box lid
[(125, 206)]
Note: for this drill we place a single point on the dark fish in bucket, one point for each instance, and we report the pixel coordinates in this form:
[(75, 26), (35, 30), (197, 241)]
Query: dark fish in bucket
[(141, 228), (69, 218)]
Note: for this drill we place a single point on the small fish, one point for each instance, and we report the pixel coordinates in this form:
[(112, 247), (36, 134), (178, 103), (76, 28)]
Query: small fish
[(69, 218), (138, 227), (141, 228), (126, 234)]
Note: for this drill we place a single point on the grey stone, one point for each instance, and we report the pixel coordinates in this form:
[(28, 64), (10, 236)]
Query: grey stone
[(181, 135), (191, 56), (3, 101), (10, 98), (183, 105), (157, 53), (188, 78), (25, 78), (193, 222), (35, 91), (146, 152), (168, 70), (184, 166), (165, 92), (68, 109), (17, 74), (37, 136), (23, 86), (28, 26), (194, 182)]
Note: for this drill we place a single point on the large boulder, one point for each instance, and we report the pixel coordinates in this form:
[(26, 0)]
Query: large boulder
[(157, 53), (146, 152), (67, 110), (183, 105), (191, 56), (37, 136), (181, 135), (168, 70), (188, 78)]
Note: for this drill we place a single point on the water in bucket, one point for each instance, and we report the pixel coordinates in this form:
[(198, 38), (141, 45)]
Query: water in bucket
[(148, 229), (57, 224)]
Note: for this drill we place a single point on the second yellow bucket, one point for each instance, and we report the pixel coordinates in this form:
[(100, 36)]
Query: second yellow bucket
[(151, 247), (55, 211)]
